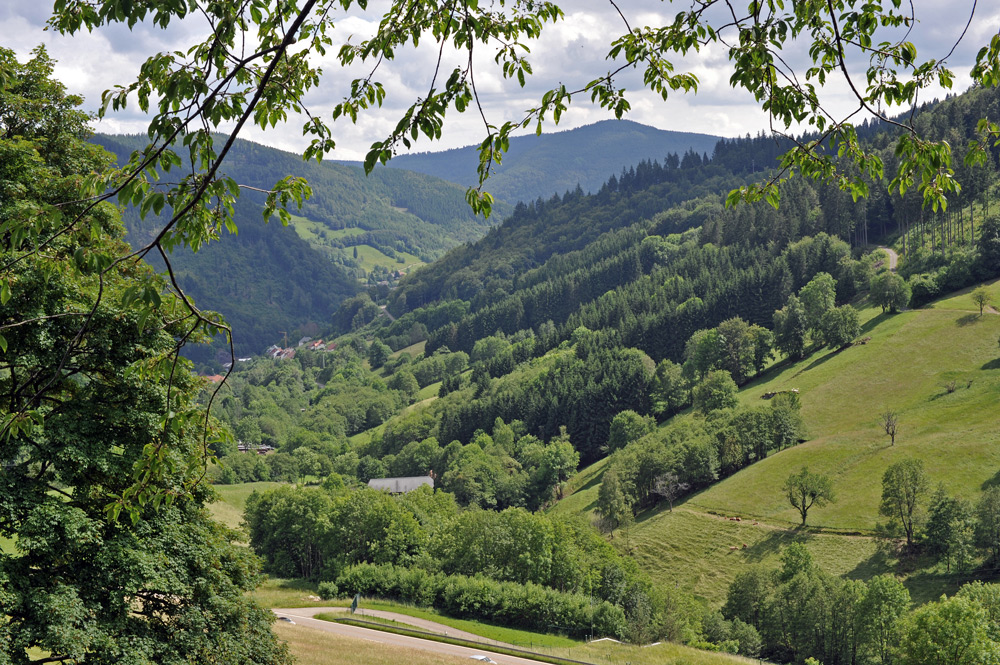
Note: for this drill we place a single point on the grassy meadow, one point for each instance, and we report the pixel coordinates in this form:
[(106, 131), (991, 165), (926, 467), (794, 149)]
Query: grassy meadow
[(938, 367), (318, 235)]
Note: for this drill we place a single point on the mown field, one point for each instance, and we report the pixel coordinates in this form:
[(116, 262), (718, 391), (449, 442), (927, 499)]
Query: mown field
[(937, 367), (318, 235)]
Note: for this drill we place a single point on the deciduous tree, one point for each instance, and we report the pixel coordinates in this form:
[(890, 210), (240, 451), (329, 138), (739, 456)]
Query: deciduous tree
[(805, 490), (904, 485), (889, 420), (889, 291), (102, 443), (982, 298)]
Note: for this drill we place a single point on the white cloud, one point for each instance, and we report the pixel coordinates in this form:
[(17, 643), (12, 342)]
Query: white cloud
[(571, 52)]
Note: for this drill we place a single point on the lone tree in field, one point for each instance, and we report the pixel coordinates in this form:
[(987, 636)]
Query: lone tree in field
[(889, 421), (982, 298), (805, 490), (904, 485)]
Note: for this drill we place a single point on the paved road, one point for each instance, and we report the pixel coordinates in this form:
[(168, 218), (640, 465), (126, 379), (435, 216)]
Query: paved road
[(303, 616)]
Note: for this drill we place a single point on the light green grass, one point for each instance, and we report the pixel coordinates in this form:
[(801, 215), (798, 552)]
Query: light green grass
[(277, 592), (233, 500), (598, 652), (319, 236), (906, 366), (666, 653), (361, 439), (369, 257), (429, 391), (413, 349), (580, 492)]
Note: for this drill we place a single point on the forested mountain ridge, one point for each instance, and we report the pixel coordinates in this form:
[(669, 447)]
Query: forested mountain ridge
[(540, 166), (268, 278)]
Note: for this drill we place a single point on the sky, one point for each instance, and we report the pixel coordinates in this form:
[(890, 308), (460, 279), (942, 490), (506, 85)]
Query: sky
[(572, 51)]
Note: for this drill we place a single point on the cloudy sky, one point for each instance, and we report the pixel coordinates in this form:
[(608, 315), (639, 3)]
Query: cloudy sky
[(570, 52)]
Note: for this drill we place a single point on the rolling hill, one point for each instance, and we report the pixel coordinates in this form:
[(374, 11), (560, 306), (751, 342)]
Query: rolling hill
[(908, 365)]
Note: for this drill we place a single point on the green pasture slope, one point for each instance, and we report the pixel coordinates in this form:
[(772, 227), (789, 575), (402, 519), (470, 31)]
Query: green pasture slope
[(908, 365), (317, 235)]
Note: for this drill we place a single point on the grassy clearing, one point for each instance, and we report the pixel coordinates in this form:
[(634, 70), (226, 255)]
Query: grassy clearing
[(233, 500), (277, 592), (696, 551), (413, 349), (666, 653), (580, 493), (599, 653), (369, 257), (908, 365), (319, 236), (429, 391), (315, 647)]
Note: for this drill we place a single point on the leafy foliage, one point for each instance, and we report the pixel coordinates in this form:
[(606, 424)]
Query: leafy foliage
[(102, 443)]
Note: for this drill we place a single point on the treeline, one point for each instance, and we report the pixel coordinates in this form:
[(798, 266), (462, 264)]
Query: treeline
[(420, 547), (803, 614)]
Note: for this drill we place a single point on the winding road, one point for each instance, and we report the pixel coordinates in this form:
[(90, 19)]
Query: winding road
[(305, 616)]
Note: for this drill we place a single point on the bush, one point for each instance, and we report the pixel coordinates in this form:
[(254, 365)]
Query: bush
[(328, 590)]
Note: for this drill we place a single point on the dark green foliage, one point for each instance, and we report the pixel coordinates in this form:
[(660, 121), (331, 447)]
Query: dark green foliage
[(378, 353), (800, 612), (102, 444), (696, 453), (840, 326), (267, 279), (904, 485), (527, 606), (716, 391), (889, 291), (988, 522), (950, 531), (628, 427)]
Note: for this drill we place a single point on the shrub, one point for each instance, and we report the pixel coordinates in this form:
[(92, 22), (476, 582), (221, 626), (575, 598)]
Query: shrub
[(328, 590)]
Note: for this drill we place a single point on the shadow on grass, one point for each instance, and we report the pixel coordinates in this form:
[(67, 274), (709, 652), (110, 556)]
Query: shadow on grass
[(994, 481), (967, 320), (873, 322), (773, 543), (593, 482), (926, 586), (876, 564), (819, 361), (993, 364)]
